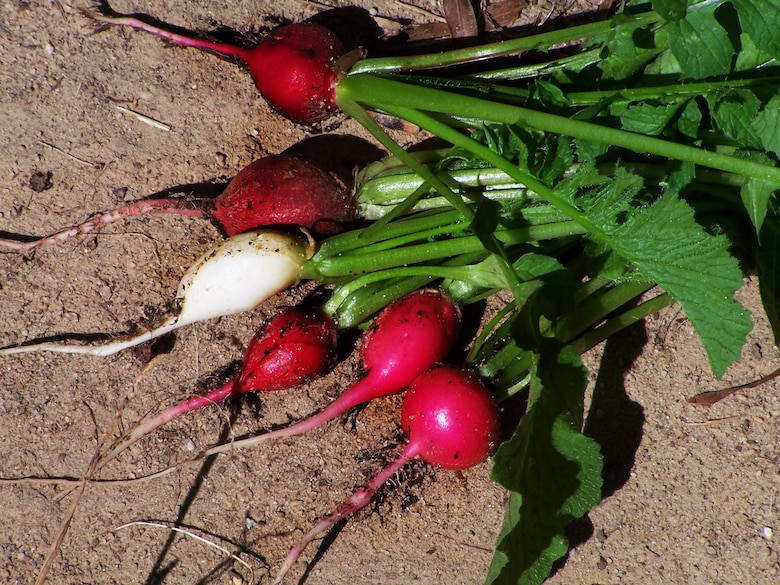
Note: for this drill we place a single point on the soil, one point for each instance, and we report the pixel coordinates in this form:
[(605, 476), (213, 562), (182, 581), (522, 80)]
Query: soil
[(691, 492)]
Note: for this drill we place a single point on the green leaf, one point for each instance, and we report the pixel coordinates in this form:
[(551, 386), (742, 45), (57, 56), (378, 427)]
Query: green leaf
[(767, 125), (552, 470), (679, 175), (666, 245), (690, 119), (549, 95), (485, 223), (559, 283), (629, 48), (670, 9), (558, 156), (756, 193), (760, 19), (734, 113), (649, 118), (750, 56), (768, 266), (665, 64), (702, 46)]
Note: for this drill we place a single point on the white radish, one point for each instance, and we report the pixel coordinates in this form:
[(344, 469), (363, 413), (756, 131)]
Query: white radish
[(235, 276)]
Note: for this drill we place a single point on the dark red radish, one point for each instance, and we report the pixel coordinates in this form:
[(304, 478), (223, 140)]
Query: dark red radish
[(294, 69), (450, 421), (294, 346), (283, 190), (294, 66), (409, 336)]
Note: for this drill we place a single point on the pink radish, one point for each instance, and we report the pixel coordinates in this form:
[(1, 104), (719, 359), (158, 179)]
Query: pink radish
[(409, 336), (450, 421), (277, 190), (294, 66), (294, 346)]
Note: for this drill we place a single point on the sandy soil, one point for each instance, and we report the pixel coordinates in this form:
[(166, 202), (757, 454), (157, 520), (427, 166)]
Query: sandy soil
[(692, 493)]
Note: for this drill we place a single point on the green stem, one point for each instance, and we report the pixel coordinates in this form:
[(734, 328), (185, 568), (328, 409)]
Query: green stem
[(326, 267), (596, 307), (458, 139), (375, 212), (352, 108), (619, 322), (358, 239), (431, 272), (571, 62), (398, 97), (586, 98), (365, 303), (489, 51), (485, 340), (510, 365), (396, 186), (362, 303)]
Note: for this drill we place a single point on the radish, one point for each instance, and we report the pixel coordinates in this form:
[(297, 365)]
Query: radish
[(277, 190), (285, 189), (409, 336), (294, 66), (235, 276), (294, 346), (450, 420)]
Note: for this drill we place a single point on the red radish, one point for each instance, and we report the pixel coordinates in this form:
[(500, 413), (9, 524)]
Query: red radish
[(450, 421), (294, 66), (450, 418), (409, 336), (277, 190), (285, 189), (294, 346)]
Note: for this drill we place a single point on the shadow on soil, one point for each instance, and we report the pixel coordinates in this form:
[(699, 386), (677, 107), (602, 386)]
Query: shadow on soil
[(614, 421)]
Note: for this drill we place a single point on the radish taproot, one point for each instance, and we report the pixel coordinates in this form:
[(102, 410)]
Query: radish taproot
[(450, 421), (295, 66), (294, 346), (279, 190), (409, 336), (235, 276)]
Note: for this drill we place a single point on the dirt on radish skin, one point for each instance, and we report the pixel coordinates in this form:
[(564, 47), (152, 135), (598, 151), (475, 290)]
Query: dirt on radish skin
[(294, 346), (293, 66), (450, 421), (450, 414)]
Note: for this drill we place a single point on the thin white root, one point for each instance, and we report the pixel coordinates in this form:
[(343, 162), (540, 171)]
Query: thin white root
[(196, 537), (99, 350)]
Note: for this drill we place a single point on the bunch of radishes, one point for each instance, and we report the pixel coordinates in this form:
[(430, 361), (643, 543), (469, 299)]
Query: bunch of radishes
[(272, 213), (448, 415)]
